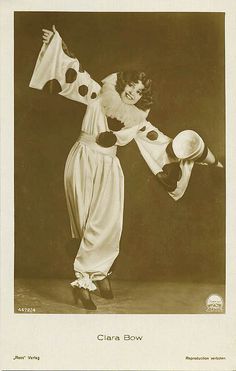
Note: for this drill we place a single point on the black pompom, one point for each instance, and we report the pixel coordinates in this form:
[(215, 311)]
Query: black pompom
[(52, 87), (106, 139), (83, 90), (71, 75), (114, 124)]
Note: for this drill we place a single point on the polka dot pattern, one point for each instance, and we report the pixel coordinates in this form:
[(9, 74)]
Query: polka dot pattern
[(143, 128), (52, 87), (71, 75), (152, 135), (93, 95), (83, 90)]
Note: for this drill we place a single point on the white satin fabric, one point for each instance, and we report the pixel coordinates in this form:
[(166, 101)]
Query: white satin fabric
[(94, 191), (94, 183)]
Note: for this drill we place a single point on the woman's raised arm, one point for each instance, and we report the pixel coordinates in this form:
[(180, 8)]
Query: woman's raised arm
[(58, 71), (48, 34)]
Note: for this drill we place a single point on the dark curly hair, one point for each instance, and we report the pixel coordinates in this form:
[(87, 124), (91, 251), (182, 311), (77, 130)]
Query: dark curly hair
[(124, 78)]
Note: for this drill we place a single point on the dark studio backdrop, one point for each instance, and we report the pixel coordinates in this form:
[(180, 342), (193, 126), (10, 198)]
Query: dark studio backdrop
[(162, 239)]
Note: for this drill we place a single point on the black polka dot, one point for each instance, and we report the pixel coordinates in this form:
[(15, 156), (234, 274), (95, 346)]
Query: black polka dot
[(93, 95), (52, 87), (152, 135), (143, 128), (114, 124), (83, 90), (106, 139), (71, 75)]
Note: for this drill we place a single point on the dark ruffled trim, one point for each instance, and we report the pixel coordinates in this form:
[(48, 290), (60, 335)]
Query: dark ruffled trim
[(114, 124)]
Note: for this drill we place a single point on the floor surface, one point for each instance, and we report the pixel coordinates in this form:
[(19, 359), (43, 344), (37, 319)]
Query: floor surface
[(131, 297)]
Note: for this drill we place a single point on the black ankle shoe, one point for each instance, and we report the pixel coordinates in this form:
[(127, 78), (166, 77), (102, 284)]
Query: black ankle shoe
[(105, 288), (84, 296)]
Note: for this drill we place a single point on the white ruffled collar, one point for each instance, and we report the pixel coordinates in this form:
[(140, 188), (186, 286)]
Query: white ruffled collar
[(114, 107)]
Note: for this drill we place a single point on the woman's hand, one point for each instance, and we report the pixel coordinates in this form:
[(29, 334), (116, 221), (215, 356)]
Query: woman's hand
[(47, 35)]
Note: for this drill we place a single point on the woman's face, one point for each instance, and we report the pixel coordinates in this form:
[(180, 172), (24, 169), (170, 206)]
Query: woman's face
[(132, 92)]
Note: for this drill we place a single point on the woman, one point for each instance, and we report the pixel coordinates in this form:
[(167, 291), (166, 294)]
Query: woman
[(116, 113)]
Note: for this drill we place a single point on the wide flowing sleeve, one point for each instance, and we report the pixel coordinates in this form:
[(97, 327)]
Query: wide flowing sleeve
[(183, 181), (58, 72), (152, 144)]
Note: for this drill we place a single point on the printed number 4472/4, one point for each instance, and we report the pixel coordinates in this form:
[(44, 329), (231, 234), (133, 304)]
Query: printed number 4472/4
[(26, 310)]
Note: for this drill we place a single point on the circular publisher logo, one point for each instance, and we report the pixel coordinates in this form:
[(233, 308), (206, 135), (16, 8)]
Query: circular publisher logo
[(214, 303)]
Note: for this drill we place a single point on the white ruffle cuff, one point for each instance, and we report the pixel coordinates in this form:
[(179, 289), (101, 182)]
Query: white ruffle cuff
[(84, 282)]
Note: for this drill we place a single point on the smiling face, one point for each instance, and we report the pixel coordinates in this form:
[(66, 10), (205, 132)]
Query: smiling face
[(132, 92)]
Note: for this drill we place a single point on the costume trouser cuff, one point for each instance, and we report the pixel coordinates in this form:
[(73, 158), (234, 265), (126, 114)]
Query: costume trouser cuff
[(85, 280)]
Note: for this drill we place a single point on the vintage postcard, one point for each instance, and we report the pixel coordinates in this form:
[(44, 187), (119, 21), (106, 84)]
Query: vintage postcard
[(117, 185)]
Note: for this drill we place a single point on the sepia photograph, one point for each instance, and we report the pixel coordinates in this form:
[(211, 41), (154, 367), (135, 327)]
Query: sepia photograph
[(117, 185), (119, 162)]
